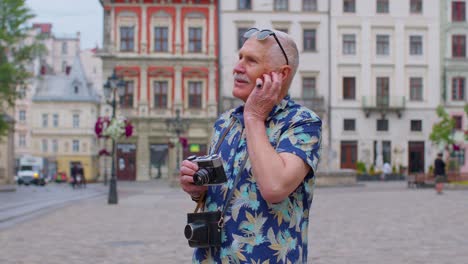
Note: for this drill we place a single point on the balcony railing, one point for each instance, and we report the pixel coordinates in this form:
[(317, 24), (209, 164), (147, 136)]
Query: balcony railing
[(316, 103), (383, 104)]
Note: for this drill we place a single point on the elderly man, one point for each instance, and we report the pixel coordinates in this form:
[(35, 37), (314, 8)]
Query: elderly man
[(270, 147)]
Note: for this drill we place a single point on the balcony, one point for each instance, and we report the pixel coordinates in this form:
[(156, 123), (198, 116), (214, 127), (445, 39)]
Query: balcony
[(316, 103), (383, 104)]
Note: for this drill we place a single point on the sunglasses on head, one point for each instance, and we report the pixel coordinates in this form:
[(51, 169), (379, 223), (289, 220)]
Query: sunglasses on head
[(263, 34)]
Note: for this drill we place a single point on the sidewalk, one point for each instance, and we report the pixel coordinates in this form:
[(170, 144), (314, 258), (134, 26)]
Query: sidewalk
[(146, 226), (383, 223), (7, 188)]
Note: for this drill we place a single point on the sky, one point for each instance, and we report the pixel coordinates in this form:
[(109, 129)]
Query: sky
[(70, 16)]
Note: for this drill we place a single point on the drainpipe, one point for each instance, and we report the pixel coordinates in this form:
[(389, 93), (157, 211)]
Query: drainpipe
[(220, 68), (329, 87)]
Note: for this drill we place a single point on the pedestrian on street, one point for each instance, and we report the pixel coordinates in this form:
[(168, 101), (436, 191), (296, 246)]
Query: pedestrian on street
[(439, 172), (270, 148), (74, 174)]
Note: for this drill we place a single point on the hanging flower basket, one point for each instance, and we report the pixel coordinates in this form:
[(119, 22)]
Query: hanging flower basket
[(101, 124), (104, 152), (118, 127)]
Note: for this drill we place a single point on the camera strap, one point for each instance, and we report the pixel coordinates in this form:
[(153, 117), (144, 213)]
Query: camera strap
[(231, 192), (201, 200)]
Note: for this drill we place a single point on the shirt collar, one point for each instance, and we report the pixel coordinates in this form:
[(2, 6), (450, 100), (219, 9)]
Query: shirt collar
[(238, 112)]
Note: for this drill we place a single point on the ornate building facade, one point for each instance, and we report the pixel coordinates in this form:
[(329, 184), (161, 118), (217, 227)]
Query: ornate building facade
[(167, 54)]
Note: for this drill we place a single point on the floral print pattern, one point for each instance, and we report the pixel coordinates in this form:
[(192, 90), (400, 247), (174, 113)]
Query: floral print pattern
[(256, 231)]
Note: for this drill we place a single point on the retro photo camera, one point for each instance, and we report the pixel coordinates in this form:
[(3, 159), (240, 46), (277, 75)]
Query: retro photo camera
[(203, 229), (210, 170)]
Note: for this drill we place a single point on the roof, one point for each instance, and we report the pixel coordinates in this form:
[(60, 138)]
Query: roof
[(72, 87)]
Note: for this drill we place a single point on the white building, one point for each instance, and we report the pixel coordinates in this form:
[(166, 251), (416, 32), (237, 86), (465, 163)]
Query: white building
[(454, 76), (385, 85), (306, 21)]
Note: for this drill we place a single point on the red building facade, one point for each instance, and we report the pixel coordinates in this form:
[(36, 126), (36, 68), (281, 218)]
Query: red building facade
[(167, 53)]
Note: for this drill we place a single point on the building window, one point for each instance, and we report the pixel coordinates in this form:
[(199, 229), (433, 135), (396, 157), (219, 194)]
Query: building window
[(45, 146), (309, 5), (309, 40), (416, 6), (349, 44), (383, 89), (458, 89), (382, 6), (55, 120), (22, 91), (54, 146), (349, 6), (240, 37), (161, 39), (22, 116), (285, 30), (458, 155), (281, 5), (64, 48), (416, 88), (244, 5), (458, 122), (382, 124), (76, 120), (126, 95), (416, 125), (195, 94), (308, 87), (127, 38), (22, 140), (349, 88), (160, 94), (195, 39), (76, 88), (458, 46), (416, 45), (64, 66), (383, 44), (458, 11), (349, 124), (76, 145), (45, 120)]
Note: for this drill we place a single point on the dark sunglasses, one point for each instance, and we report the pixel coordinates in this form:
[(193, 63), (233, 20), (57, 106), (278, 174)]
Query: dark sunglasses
[(263, 34)]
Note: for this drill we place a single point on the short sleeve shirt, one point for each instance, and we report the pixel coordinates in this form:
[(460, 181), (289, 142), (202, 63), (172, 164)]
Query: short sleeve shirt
[(255, 230)]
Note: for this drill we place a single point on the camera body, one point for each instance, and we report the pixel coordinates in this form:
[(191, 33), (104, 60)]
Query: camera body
[(202, 229), (210, 170)]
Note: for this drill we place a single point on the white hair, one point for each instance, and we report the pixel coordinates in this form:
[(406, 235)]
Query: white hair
[(290, 48)]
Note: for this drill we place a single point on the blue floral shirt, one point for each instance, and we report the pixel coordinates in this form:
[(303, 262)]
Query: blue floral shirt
[(255, 230)]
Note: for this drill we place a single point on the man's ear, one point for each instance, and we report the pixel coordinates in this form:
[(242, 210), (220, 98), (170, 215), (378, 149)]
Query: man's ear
[(285, 71)]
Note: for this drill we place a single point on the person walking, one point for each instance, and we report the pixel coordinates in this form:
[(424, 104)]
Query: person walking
[(439, 173)]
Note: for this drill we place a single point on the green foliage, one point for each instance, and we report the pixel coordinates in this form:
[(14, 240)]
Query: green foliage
[(394, 169), (361, 167), (15, 53), (442, 131), (372, 169)]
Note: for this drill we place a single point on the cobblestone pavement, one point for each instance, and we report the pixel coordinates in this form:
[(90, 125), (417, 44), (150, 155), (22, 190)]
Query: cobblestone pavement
[(376, 223)]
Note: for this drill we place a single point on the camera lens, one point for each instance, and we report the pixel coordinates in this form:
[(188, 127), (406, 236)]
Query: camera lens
[(201, 177), (196, 231)]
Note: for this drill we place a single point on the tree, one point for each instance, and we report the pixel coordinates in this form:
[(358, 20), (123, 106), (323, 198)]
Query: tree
[(441, 133), (15, 53)]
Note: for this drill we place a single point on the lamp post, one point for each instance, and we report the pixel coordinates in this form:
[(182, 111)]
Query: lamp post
[(110, 89), (178, 126)]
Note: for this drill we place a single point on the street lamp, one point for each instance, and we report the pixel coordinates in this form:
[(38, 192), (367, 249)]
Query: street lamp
[(110, 91), (178, 126)]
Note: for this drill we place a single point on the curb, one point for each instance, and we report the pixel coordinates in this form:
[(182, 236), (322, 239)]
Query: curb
[(7, 188)]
